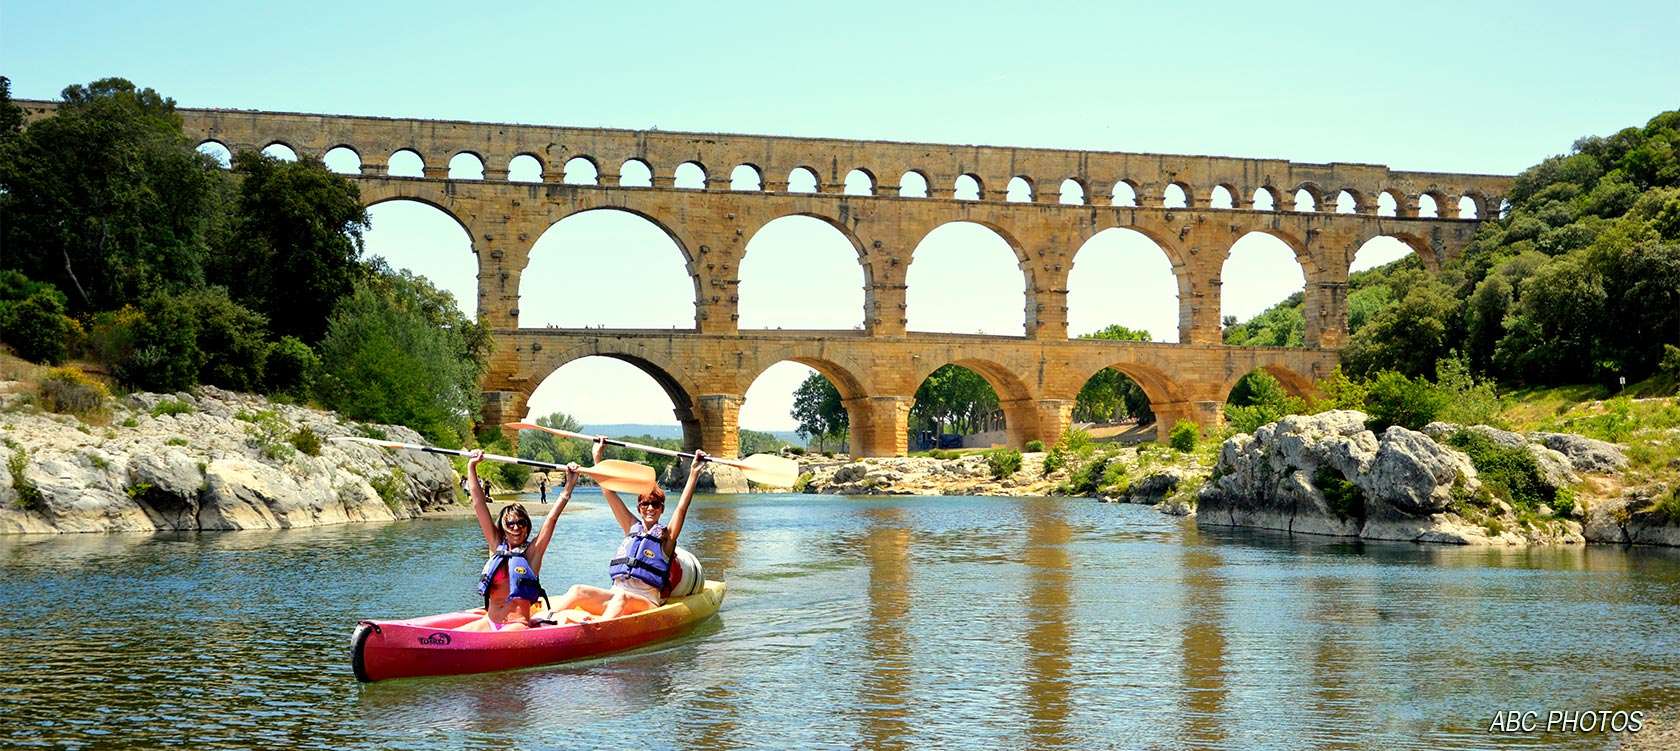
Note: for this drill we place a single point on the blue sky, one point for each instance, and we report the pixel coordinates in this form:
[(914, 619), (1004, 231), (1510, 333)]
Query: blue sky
[(1458, 87)]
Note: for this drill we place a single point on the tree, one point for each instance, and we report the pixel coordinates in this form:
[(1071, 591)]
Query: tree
[(818, 410), (295, 244), (953, 396), (757, 442), (1257, 399), (107, 200), (11, 115), (1410, 335), (384, 358)]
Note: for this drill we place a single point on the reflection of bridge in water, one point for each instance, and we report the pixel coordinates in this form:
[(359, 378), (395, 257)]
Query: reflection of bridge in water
[(707, 369)]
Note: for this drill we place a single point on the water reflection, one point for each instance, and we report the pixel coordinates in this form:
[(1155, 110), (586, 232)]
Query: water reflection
[(1050, 583), (1203, 693), (886, 680)]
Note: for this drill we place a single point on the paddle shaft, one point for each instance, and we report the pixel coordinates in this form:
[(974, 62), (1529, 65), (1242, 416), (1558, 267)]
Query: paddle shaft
[(637, 446), (458, 452)]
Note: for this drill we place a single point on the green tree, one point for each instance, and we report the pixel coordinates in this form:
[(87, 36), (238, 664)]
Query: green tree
[(1257, 399), (295, 244), (818, 410), (956, 397), (107, 200), (1110, 394), (1410, 335), (385, 359), (11, 115), (758, 442)]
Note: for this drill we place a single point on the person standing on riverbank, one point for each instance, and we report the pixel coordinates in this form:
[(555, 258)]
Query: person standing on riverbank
[(509, 581), (641, 570)]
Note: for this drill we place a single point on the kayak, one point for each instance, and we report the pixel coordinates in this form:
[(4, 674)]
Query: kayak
[(435, 645)]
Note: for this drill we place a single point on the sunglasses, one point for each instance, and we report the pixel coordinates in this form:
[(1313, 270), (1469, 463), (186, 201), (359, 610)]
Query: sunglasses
[(652, 504), (511, 523)]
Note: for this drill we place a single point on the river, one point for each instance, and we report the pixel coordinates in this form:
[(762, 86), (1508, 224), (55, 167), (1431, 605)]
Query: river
[(878, 623)]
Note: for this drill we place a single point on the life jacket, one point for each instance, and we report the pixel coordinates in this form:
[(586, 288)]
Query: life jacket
[(642, 556), (522, 576)]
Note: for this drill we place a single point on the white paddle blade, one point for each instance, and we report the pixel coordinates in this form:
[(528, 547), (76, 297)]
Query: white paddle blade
[(769, 469)]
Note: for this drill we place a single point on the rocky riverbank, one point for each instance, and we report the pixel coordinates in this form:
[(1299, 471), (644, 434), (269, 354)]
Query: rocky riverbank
[(210, 460)]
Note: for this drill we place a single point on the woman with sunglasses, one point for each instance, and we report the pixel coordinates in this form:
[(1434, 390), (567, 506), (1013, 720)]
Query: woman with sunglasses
[(509, 581), (641, 570)]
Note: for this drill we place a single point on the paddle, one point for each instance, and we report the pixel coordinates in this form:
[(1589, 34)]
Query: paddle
[(612, 474), (764, 469)]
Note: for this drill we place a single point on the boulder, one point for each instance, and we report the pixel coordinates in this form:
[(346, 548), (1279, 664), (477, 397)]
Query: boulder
[(1585, 454)]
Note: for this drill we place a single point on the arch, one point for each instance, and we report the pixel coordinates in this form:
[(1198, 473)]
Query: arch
[(602, 361), (426, 239), (802, 180), (1020, 190), (1175, 196), (405, 163), (1265, 199), (218, 151), (280, 150), (343, 160), (1347, 202), (634, 278), (580, 170), (958, 263), (1073, 192), (746, 177), (1157, 384), (1378, 251), (860, 182), (1418, 244), (913, 184), (968, 188), (1469, 207), (1429, 204), (689, 176), (1124, 194), (1222, 197), (1308, 197), (525, 168), (1123, 276), (1388, 203), (1257, 275), (819, 256), (466, 166), (1013, 396), (1295, 383), (635, 173)]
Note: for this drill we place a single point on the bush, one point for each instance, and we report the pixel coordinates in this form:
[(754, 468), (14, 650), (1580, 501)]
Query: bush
[(1184, 436), (172, 407), (795, 450), (37, 328), (69, 391), (163, 354), (1509, 472), (391, 487), (28, 496), (307, 440), (1345, 497), (1003, 462), (1395, 399), (828, 454), (1035, 446), (290, 368)]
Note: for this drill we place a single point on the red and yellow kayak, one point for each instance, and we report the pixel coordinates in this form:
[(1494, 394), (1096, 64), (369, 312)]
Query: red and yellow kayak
[(434, 645)]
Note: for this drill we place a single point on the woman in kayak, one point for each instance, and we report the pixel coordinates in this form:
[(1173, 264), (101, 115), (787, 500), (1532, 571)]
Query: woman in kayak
[(640, 572), (509, 581)]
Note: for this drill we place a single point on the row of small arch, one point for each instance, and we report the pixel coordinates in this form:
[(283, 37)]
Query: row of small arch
[(691, 175)]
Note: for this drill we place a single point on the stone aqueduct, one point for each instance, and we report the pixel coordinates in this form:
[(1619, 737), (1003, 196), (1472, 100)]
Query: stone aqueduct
[(706, 370)]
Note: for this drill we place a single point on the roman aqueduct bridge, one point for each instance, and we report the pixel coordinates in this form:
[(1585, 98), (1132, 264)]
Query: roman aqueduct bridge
[(707, 369)]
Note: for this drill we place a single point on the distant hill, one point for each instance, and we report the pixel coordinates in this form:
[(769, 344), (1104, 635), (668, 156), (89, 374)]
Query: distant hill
[(621, 430)]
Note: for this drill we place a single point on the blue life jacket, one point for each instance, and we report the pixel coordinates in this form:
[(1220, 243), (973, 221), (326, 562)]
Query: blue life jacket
[(642, 556), (522, 576)]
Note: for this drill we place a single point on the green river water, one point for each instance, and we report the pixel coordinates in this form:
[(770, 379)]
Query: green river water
[(850, 623)]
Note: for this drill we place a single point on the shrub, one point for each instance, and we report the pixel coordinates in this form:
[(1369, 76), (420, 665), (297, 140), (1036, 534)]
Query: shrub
[(803, 484), (176, 442), (28, 496), (37, 328), (307, 440), (1395, 399), (1510, 472), (291, 367), (1184, 436), (828, 454), (1345, 497), (131, 423), (163, 354), (234, 340), (795, 450), (1035, 446), (173, 407), (70, 391), (371, 431), (268, 434), (391, 487), (1003, 462)]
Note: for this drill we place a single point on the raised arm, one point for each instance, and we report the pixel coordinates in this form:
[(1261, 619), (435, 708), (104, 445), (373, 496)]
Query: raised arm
[(481, 503), (622, 514), (534, 552), (675, 527)]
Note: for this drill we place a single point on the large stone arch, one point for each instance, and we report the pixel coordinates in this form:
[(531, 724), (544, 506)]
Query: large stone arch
[(1296, 383), (1418, 243), (672, 378)]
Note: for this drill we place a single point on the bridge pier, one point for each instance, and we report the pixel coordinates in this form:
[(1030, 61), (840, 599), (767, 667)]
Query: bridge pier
[(720, 424), (1036, 420), (880, 425), (501, 407)]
